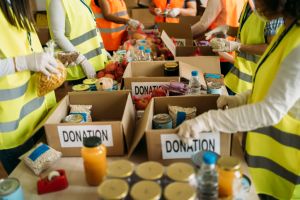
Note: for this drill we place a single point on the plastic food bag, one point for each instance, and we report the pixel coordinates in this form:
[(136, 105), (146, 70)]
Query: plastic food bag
[(68, 58), (180, 114), (41, 158), (84, 110)]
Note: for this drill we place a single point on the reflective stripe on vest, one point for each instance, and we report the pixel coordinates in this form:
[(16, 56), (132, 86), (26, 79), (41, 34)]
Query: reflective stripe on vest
[(118, 14), (113, 30), (9, 94), (162, 4), (273, 153)]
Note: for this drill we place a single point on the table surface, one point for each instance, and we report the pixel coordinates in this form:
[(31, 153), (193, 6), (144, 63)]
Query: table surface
[(78, 189)]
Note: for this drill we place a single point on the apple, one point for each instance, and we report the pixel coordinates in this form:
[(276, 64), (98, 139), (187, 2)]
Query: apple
[(159, 92), (141, 102), (110, 67), (101, 73), (110, 76)]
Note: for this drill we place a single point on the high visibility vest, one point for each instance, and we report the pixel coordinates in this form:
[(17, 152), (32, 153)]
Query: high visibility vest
[(21, 110), (239, 79), (273, 152), (112, 33), (162, 4), (83, 35)]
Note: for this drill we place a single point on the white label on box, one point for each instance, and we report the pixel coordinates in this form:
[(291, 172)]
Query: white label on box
[(142, 88), (180, 42), (173, 148), (168, 42), (72, 136)]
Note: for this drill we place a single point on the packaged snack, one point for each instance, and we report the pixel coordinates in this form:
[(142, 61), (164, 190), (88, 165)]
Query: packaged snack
[(41, 158), (68, 58), (180, 114), (84, 110)]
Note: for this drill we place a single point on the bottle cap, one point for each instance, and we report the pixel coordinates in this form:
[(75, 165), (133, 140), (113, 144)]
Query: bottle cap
[(229, 163), (141, 47), (209, 158), (148, 50), (91, 142), (194, 73)]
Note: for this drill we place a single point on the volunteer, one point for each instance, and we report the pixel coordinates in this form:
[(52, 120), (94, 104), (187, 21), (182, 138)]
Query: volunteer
[(217, 13), (270, 112), (73, 28), (175, 8), (21, 54), (112, 19), (249, 46)]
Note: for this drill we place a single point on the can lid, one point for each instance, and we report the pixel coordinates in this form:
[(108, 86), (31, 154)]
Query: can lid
[(180, 171), (73, 118), (91, 142), (146, 190), (8, 186), (150, 170), (90, 81), (113, 189), (171, 65), (162, 118), (229, 163), (120, 169), (179, 191), (80, 87)]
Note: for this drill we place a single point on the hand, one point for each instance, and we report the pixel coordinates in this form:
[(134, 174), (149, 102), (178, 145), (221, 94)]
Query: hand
[(220, 29), (174, 12), (230, 101), (37, 62), (88, 69), (135, 24), (223, 45), (157, 11)]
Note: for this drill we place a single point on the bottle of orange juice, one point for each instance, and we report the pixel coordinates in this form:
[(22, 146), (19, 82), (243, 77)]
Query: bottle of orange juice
[(93, 153)]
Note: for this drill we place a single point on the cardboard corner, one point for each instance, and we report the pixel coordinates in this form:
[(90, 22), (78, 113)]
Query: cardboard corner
[(128, 121)]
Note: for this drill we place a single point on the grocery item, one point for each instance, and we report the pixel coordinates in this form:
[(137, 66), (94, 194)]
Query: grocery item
[(67, 58), (146, 190), (93, 153), (152, 171), (73, 118), (41, 158), (55, 181), (171, 69), (176, 88), (180, 114), (122, 169), (181, 172), (194, 84), (116, 189), (10, 189), (214, 83), (162, 121), (180, 191), (80, 88), (105, 84), (84, 110), (49, 83), (91, 82)]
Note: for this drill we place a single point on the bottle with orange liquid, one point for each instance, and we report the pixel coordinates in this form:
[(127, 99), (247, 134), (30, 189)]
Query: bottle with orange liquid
[(93, 153)]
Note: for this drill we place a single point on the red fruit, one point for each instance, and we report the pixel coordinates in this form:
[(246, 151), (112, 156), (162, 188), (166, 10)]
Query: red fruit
[(159, 92), (141, 104), (110, 67), (110, 76), (101, 74)]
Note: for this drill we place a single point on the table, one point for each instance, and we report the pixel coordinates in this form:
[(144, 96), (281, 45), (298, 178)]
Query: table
[(78, 189)]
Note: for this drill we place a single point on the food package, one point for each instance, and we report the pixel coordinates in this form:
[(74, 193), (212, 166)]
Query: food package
[(180, 114), (84, 110), (49, 83), (41, 158), (68, 58)]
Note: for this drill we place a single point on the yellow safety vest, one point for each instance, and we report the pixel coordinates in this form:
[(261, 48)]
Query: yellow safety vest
[(83, 35), (21, 109), (251, 31), (273, 153)]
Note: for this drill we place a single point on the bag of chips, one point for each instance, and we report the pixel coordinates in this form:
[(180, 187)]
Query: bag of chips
[(180, 114)]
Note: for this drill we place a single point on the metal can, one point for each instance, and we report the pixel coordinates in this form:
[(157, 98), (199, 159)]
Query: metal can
[(171, 69), (151, 171), (91, 82), (147, 190), (122, 169), (113, 189), (162, 121), (214, 88), (10, 189), (179, 191), (73, 118), (80, 88)]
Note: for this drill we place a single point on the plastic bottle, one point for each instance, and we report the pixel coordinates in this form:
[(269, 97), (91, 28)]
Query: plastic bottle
[(207, 178), (194, 84), (148, 55), (141, 53), (93, 153)]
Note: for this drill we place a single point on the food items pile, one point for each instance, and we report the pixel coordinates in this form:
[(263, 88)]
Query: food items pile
[(114, 70)]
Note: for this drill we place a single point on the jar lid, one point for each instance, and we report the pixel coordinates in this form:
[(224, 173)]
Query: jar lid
[(180, 171), (162, 118), (80, 87), (73, 118), (146, 190), (150, 170), (229, 163), (179, 191), (91, 142), (90, 81), (113, 189), (171, 65), (120, 169)]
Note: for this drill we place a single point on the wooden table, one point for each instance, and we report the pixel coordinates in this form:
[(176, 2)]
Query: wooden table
[(78, 189)]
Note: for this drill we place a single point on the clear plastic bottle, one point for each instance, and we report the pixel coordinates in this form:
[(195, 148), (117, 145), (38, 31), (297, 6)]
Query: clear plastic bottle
[(148, 56), (207, 178), (194, 84), (141, 53)]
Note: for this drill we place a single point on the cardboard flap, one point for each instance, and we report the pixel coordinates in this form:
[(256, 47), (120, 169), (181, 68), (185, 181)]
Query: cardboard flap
[(128, 121), (60, 111), (185, 71), (181, 31), (168, 42), (207, 64), (190, 20), (192, 50)]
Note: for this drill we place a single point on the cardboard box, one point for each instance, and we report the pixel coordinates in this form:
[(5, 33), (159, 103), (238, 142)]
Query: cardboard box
[(190, 20), (144, 16), (113, 120), (181, 32), (207, 64), (163, 145)]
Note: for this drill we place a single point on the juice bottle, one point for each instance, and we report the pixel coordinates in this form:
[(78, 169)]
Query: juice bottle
[(93, 153)]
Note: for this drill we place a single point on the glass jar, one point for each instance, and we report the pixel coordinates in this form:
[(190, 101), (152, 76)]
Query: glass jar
[(91, 82), (80, 88), (146, 190), (180, 191), (171, 69), (93, 153), (113, 189), (229, 169), (181, 172), (122, 169), (151, 171)]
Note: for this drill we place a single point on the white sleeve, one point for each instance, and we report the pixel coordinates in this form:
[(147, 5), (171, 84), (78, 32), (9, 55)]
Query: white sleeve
[(211, 12), (57, 23), (282, 96), (6, 66)]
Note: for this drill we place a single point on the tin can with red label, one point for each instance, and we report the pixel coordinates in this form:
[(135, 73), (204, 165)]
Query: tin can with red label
[(10, 189)]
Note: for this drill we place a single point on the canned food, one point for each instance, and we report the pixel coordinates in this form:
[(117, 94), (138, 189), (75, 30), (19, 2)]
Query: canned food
[(10, 189), (152, 171), (91, 82), (146, 190), (162, 121), (80, 87), (171, 69), (73, 118), (122, 169), (214, 88), (181, 172), (179, 191), (113, 189)]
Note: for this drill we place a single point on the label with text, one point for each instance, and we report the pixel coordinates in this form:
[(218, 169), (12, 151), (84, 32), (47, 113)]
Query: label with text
[(142, 88), (173, 148), (72, 136)]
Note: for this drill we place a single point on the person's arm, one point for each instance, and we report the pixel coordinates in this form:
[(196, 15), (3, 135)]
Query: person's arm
[(108, 15), (7, 67), (191, 9), (211, 12), (151, 8)]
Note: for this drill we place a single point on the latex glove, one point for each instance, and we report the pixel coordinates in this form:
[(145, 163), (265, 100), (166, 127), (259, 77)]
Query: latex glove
[(88, 69), (233, 101), (174, 12), (157, 11), (37, 62), (135, 24), (218, 30), (223, 45)]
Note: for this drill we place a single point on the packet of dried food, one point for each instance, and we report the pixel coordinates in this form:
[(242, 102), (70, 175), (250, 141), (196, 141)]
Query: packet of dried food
[(41, 158), (84, 110), (180, 114), (68, 58)]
